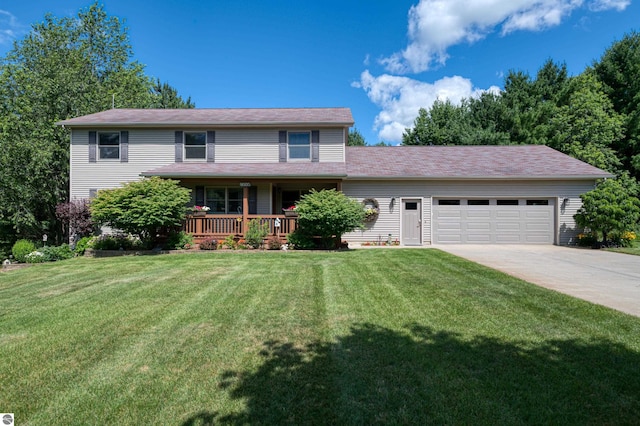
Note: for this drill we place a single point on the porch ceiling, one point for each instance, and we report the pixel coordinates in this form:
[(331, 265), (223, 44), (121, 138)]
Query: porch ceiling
[(253, 170)]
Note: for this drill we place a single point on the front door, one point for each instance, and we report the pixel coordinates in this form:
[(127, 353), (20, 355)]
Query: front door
[(411, 222)]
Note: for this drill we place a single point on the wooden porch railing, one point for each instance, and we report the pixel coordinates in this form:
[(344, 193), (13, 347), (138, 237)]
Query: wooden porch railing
[(220, 226)]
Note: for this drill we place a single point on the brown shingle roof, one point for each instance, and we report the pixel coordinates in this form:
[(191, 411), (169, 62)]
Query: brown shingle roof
[(466, 162), (409, 162), (214, 117), (251, 170)]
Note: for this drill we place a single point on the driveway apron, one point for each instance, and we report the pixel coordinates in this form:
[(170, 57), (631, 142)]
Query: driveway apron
[(605, 278)]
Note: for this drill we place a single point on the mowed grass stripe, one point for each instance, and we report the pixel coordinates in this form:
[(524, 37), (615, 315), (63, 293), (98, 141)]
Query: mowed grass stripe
[(368, 336)]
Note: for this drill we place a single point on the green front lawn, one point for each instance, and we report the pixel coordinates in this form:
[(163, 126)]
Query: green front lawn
[(358, 337), (627, 250)]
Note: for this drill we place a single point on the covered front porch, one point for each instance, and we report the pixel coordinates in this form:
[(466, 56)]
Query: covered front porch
[(233, 204), (236, 193)]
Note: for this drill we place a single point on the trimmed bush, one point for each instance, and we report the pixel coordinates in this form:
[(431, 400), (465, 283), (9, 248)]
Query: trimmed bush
[(55, 253), (21, 249), (82, 245), (116, 242), (328, 214), (148, 208), (179, 241), (209, 244), (274, 243), (301, 240)]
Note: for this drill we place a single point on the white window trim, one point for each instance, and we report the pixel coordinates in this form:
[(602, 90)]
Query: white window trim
[(184, 146), (98, 152), (308, 132)]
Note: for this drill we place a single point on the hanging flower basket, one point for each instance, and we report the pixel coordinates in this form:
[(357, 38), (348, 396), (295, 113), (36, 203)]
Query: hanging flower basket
[(371, 209)]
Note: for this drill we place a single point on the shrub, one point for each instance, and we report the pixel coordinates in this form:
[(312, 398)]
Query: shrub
[(613, 207), (587, 240), (35, 257), (229, 242), (146, 208), (328, 214), (257, 231), (21, 249), (77, 216), (81, 246), (209, 244), (55, 253), (179, 241), (116, 242), (301, 240), (273, 243)]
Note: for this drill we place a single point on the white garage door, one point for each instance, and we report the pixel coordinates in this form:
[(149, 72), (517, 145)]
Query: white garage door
[(493, 221)]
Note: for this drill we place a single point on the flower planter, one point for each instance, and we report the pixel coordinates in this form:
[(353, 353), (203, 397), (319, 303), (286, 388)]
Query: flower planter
[(290, 213), (199, 214)]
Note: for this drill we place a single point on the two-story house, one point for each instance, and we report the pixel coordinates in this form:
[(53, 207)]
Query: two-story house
[(245, 163)]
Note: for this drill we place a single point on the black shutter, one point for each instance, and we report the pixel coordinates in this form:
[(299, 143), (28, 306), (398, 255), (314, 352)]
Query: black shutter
[(124, 146), (211, 146), (199, 195), (92, 147), (283, 146), (315, 146), (178, 146)]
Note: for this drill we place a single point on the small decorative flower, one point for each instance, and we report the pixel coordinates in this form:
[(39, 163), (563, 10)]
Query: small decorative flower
[(201, 208)]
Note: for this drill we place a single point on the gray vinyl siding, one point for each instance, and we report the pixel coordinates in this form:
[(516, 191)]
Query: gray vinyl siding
[(389, 220), (264, 198), (332, 145), (148, 149), (262, 146), (246, 146)]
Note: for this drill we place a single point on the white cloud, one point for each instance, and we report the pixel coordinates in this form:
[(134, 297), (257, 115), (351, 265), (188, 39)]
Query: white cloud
[(600, 5), (9, 27), (400, 99), (436, 25)]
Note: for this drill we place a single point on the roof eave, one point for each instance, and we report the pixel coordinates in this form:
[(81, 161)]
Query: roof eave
[(242, 176), (244, 124), (465, 178)]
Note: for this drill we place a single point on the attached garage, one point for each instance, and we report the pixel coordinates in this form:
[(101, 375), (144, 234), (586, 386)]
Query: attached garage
[(493, 220)]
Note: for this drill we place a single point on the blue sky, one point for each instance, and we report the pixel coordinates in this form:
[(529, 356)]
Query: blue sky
[(383, 59)]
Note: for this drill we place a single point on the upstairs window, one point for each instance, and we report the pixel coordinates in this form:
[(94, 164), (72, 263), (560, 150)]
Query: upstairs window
[(195, 145), (299, 145), (109, 145)]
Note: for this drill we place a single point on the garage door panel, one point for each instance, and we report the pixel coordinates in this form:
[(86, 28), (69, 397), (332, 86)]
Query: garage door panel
[(544, 215), (448, 226), (479, 226), (507, 214), (478, 214), (478, 238), (493, 223), (508, 239)]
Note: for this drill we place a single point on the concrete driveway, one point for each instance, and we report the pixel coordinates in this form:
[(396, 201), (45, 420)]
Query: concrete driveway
[(605, 278)]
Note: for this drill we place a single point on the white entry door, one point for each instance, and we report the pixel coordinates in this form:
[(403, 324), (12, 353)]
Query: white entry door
[(411, 222)]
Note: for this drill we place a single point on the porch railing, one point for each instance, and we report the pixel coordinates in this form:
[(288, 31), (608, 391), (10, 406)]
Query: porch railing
[(219, 226)]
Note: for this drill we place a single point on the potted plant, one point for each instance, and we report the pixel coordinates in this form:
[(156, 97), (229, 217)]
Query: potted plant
[(290, 211), (200, 210)]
